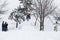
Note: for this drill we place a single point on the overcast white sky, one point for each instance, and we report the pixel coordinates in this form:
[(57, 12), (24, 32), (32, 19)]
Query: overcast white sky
[(14, 3), (57, 2)]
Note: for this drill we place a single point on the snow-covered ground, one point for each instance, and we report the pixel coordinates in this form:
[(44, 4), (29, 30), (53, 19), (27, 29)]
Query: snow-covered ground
[(29, 35)]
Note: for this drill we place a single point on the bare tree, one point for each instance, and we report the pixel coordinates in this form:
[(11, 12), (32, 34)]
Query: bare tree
[(43, 8)]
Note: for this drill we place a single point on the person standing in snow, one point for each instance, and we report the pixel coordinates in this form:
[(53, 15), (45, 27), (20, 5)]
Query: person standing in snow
[(55, 27), (28, 17), (3, 26), (6, 24)]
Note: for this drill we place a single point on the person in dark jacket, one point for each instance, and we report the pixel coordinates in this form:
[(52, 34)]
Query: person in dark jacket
[(28, 17), (3, 25), (6, 24)]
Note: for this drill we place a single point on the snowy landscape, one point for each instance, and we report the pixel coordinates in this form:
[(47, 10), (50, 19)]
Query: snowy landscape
[(21, 28)]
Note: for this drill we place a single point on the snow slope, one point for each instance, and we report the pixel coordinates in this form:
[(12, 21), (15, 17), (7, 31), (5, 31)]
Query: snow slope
[(29, 35)]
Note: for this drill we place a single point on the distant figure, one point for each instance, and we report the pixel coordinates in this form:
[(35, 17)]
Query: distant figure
[(28, 17), (6, 24), (3, 26), (55, 27)]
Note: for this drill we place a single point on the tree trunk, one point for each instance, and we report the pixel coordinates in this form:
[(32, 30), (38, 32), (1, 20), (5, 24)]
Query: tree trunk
[(36, 20), (41, 24), (41, 17), (16, 24), (42, 21)]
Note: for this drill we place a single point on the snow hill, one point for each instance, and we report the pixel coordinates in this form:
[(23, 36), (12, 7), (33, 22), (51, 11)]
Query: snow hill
[(29, 35)]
